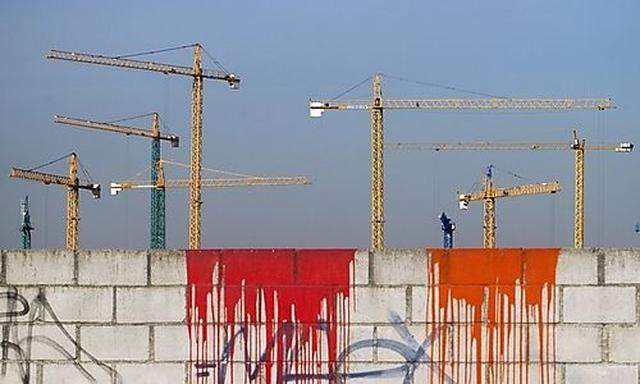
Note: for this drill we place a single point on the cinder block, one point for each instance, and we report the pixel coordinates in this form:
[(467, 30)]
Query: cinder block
[(40, 267), (15, 301), (112, 267), (599, 305), (624, 344), (168, 268), (427, 372), (467, 373), (360, 337), (578, 344), (389, 337), (367, 373), (400, 267), (70, 373), (577, 266), (171, 343), (152, 373), (374, 305), (116, 342), (362, 267), (601, 374), (150, 304), (418, 304), (13, 374), (81, 303), (47, 342), (622, 266)]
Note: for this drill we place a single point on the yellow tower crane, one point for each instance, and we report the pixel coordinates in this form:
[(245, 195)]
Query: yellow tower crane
[(152, 133), (240, 181), (117, 187), (577, 145), (490, 193), (377, 105), (198, 74), (73, 186)]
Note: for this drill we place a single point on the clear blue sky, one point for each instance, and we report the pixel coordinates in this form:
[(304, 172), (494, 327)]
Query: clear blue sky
[(288, 51)]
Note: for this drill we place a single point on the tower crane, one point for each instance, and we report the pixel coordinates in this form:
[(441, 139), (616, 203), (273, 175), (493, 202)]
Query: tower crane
[(377, 105), (579, 147), (490, 193), (73, 186), (25, 225), (245, 181), (199, 74), (157, 239)]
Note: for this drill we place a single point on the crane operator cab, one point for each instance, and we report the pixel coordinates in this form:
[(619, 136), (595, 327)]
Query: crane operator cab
[(463, 202), (624, 147)]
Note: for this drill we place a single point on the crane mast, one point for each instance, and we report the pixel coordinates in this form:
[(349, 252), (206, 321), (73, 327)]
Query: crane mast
[(73, 186), (157, 215), (377, 105), (25, 225), (579, 147), (377, 166), (490, 193), (198, 73), (195, 190)]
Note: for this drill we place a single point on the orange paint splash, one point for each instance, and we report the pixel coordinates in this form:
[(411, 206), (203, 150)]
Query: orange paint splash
[(489, 309)]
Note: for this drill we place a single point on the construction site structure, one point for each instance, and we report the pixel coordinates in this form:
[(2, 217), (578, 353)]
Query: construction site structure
[(73, 185), (490, 193), (157, 224), (377, 105), (198, 74), (448, 226), (25, 223), (160, 184), (578, 145)]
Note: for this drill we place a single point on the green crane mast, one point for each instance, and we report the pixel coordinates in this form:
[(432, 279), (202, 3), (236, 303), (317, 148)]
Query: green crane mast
[(157, 227), (25, 226)]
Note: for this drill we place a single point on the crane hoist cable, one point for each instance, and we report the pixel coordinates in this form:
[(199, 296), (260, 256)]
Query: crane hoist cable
[(51, 162), (353, 87), (155, 51), (214, 61), (119, 120), (178, 164), (442, 86)]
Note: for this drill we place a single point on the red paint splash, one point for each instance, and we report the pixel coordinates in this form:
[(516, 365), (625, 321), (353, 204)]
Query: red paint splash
[(495, 305), (289, 308)]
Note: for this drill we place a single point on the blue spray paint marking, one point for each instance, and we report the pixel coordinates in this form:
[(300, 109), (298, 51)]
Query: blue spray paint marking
[(412, 352)]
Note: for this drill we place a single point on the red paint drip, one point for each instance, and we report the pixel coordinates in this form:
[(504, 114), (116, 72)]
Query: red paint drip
[(288, 309), (487, 303)]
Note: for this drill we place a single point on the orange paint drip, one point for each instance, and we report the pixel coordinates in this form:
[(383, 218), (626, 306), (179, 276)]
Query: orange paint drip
[(483, 306)]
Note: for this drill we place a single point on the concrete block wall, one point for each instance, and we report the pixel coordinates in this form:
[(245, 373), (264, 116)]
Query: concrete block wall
[(116, 316)]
